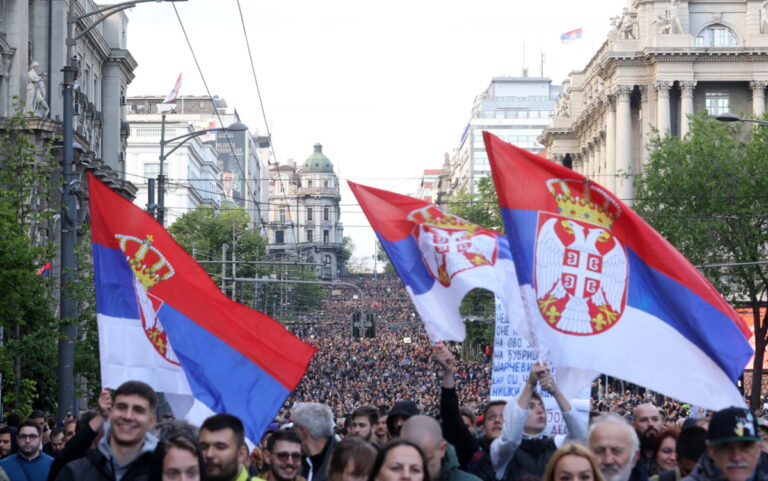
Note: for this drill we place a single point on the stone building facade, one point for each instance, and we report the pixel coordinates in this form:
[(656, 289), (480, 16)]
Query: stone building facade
[(663, 61)]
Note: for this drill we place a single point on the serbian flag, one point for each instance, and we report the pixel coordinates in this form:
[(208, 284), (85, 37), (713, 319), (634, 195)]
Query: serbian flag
[(171, 97), (439, 257), (45, 270), (605, 292), (571, 37), (163, 321)]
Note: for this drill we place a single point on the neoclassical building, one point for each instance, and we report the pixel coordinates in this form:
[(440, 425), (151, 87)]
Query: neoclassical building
[(662, 61)]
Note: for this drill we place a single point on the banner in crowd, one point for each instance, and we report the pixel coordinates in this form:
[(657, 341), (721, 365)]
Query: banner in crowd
[(604, 292), (439, 257), (163, 321), (512, 360)]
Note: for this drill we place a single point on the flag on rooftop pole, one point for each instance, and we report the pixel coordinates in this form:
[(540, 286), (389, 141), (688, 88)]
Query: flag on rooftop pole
[(162, 320), (439, 257), (607, 293), (572, 36), (171, 97)]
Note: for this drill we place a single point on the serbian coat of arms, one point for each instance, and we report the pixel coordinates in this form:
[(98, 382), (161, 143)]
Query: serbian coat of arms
[(581, 268)]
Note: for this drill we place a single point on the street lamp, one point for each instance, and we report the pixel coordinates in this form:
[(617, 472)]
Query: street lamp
[(235, 127), (730, 117), (67, 306)]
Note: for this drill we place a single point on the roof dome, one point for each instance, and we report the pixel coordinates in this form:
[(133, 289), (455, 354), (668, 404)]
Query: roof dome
[(317, 163)]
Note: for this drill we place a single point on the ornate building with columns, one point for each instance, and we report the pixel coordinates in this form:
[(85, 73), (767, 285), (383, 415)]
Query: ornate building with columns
[(663, 61)]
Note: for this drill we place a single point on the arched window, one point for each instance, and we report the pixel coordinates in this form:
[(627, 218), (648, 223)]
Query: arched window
[(716, 36)]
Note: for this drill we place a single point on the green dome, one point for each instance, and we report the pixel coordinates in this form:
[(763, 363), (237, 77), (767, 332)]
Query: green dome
[(317, 163)]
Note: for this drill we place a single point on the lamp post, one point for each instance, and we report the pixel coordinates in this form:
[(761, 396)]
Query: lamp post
[(181, 139), (67, 307), (730, 117)]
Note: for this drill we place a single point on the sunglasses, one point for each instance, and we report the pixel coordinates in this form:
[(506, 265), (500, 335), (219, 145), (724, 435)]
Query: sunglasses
[(283, 456)]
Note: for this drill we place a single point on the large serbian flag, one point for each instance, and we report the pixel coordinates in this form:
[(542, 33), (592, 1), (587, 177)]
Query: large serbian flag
[(163, 321), (439, 257), (607, 293)]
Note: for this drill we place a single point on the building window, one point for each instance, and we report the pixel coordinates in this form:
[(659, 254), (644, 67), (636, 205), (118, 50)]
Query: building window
[(309, 184), (309, 213), (309, 236), (279, 237), (326, 213), (716, 36), (151, 169), (282, 214), (325, 184), (326, 236), (717, 103)]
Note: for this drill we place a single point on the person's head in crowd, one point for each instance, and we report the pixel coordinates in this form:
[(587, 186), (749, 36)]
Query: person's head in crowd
[(351, 460), (762, 425), (57, 440), (256, 458), (362, 421), (536, 421), (29, 439), (283, 455), (647, 423), (170, 428), (222, 440), (733, 443), (399, 460), (38, 417), (573, 461), (13, 420), (380, 431), (398, 415), (615, 445), (493, 419), (664, 450), (468, 417), (314, 424), (425, 432), (177, 458), (132, 414), (5, 442), (691, 443)]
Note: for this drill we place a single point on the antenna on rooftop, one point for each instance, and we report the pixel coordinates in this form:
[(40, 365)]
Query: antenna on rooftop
[(525, 70)]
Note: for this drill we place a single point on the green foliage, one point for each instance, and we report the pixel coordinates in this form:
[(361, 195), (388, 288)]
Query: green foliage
[(348, 247), (706, 194), (381, 256), (87, 362), (480, 333), (29, 327), (481, 208)]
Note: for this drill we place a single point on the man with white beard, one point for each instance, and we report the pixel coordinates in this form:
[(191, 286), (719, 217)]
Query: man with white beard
[(616, 447)]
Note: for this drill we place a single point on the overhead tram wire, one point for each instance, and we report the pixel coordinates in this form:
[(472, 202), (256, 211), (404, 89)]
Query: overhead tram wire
[(216, 111), (266, 124)]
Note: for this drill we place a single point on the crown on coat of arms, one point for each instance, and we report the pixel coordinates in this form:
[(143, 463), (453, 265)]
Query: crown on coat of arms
[(148, 264), (433, 216), (582, 200)]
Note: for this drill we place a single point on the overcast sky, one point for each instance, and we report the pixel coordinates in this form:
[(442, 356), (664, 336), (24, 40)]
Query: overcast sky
[(386, 87)]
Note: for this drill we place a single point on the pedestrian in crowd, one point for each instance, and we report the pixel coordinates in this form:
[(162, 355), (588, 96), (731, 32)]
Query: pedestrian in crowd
[(733, 449), (362, 421), (178, 458), (573, 461), (351, 460), (398, 415), (523, 448), (254, 462), (314, 424), (648, 423), (399, 460), (29, 463), (615, 444), (762, 425), (664, 450), (283, 457), (222, 440), (689, 447), (442, 463), (125, 450), (70, 427), (5, 442), (380, 433)]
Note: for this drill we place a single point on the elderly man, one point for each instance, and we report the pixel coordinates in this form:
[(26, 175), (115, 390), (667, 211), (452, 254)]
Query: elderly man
[(314, 424), (442, 463), (616, 448), (733, 449)]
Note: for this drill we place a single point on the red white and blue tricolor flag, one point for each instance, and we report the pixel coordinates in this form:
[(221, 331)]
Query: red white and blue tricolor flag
[(171, 97), (45, 270), (162, 320), (439, 257), (571, 37), (607, 293)]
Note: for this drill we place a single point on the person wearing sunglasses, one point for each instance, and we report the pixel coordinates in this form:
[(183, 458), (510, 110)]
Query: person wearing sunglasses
[(283, 456), (29, 463)]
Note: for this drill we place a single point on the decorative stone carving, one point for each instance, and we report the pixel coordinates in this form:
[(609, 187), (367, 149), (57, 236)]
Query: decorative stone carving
[(623, 92), (36, 92), (662, 87), (687, 86)]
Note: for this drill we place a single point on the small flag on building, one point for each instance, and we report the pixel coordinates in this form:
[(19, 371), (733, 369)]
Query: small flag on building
[(571, 37), (45, 270), (171, 97)]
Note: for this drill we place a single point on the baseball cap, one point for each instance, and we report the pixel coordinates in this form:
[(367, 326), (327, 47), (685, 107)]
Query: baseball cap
[(732, 424)]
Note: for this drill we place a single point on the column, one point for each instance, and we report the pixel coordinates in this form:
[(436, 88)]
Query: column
[(623, 144), (662, 109), (686, 106), (610, 145), (601, 177), (586, 162), (758, 97)]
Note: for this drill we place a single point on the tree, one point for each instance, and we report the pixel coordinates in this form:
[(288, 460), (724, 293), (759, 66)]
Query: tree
[(381, 256), (347, 249), (30, 330), (706, 194)]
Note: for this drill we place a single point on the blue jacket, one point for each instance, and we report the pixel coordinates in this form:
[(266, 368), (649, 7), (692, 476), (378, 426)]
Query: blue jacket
[(20, 469)]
